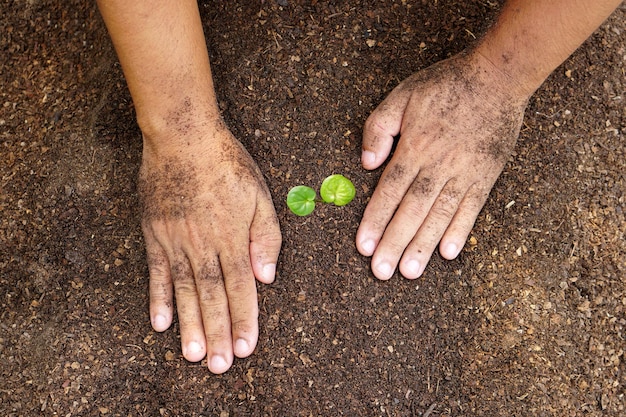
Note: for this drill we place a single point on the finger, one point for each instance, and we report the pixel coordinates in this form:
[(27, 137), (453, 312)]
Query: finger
[(405, 224), (265, 241), (161, 291), (461, 225), (381, 127), (188, 307), (215, 315), (393, 185), (422, 246), (242, 300)]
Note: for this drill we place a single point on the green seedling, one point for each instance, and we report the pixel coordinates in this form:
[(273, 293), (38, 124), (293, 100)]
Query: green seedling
[(335, 189), (301, 200), (338, 190)]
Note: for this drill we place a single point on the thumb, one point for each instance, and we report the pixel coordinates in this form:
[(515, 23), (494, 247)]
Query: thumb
[(265, 241), (382, 126)]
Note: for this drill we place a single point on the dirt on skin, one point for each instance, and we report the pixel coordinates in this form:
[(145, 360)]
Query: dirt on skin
[(528, 321)]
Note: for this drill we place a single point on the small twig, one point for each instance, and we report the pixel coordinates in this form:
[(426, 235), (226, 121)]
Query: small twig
[(134, 346), (276, 40), (334, 15), (379, 333), (430, 410)]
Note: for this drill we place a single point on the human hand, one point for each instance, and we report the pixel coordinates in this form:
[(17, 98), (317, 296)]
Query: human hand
[(458, 122), (210, 229)]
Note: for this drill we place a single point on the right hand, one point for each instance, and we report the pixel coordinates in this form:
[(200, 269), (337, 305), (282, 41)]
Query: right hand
[(210, 228)]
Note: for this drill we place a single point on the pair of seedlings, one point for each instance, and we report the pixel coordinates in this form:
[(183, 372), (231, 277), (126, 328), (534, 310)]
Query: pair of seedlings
[(336, 189)]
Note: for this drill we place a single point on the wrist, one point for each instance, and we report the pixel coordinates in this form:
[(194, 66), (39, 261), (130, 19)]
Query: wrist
[(522, 79), (175, 115), (501, 83), (182, 122), (183, 141)]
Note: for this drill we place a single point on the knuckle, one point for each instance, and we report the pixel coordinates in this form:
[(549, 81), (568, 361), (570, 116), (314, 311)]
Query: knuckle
[(158, 271), (372, 123), (477, 195), (210, 274), (217, 335), (390, 196), (184, 288), (181, 271), (396, 175), (414, 209), (275, 238), (210, 284), (271, 239), (390, 248), (422, 186), (216, 318), (210, 297), (240, 286), (395, 247), (443, 211), (447, 204), (245, 326), (157, 261)]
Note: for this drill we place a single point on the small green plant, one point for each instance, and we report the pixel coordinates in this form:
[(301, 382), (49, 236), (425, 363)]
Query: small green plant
[(335, 189), (301, 200)]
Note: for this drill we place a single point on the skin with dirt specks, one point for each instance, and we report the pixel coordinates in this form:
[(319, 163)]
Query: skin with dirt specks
[(197, 248), (443, 167)]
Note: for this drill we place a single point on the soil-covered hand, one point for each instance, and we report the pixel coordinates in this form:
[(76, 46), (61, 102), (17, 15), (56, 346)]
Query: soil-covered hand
[(457, 122), (210, 229)]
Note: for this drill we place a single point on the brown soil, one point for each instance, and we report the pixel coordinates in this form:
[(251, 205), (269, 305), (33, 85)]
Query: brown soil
[(529, 321)]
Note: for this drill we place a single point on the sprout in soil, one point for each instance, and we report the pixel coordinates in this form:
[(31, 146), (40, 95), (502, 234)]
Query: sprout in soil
[(335, 189)]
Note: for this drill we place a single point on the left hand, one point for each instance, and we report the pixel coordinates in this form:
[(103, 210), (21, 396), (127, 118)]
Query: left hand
[(458, 122)]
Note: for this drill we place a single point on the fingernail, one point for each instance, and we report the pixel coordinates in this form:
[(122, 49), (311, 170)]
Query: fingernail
[(193, 347), (269, 272), (159, 322), (452, 250), (413, 268), (242, 347), (368, 158), (218, 364), (385, 270), (368, 247)]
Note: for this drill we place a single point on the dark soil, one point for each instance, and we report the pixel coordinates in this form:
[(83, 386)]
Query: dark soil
[(529, 321)]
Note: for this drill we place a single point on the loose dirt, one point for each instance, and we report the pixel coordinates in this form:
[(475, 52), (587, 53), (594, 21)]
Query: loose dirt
[(529, 321)]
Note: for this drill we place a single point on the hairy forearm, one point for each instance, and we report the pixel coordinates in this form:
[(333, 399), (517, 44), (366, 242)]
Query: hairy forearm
[(533, 37), (163, 53)]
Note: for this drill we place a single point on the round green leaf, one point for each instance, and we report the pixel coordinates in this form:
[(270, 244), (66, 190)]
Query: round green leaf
[(337, 189), (301, 200)]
